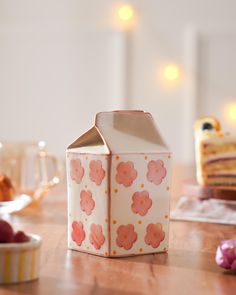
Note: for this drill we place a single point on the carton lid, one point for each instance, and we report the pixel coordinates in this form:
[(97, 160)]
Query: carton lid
[(122, 132), (130, 131)]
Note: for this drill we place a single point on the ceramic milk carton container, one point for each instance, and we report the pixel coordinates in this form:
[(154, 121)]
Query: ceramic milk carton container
[(119, 177)]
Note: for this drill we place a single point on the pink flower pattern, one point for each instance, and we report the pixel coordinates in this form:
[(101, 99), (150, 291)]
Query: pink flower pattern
[(97, 173), (141, 203), (126, 173), (78, 233), (76, 170), (96, 237), (87, 203), (154, 235), (156, 171), (126, 236)]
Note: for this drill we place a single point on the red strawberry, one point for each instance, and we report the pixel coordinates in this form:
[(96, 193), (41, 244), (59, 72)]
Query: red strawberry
[(21, 237), (6, 232)]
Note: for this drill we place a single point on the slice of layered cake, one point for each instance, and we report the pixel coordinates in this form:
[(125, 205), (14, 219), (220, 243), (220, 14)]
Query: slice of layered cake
[(215, 154)]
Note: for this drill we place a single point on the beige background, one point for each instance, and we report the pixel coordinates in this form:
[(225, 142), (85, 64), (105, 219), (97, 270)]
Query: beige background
[(62, 61)]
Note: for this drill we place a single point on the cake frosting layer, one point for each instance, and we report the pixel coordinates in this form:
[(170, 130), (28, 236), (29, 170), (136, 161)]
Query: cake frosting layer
[(221, 180)]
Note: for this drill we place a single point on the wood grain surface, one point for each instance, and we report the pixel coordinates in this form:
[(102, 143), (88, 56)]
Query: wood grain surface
[(188, 268)]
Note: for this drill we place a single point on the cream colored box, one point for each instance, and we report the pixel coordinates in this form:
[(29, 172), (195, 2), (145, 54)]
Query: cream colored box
[(119, 177)]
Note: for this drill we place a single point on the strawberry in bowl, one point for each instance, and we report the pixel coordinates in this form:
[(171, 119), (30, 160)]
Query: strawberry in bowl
[(19, 255)]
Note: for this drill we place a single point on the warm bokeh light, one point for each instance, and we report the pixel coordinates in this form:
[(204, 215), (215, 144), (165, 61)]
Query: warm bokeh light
[(171, 72), (126, 12), (231, 111), (41, 144), (124, 16), (56, 180)]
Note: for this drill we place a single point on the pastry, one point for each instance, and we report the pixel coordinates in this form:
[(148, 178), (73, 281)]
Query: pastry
[(6, 188), (215, 154)]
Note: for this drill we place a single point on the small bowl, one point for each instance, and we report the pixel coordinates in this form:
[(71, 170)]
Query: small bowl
[(19, 262)]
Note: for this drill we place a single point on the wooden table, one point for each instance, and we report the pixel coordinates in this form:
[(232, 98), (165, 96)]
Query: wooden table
[(189, 267)]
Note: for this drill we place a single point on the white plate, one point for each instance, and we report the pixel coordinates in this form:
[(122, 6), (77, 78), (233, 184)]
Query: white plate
[(17, 204)]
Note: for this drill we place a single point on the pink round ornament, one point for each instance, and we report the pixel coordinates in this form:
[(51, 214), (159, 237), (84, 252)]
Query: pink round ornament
[(226, 254)]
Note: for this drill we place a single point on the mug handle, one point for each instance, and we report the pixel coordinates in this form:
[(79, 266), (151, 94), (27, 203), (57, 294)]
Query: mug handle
[(46, 183)]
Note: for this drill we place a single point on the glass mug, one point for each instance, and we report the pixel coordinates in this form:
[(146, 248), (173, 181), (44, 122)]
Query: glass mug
[(31, 169)]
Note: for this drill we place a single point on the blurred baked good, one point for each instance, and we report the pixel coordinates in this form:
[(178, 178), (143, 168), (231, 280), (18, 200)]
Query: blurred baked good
[(6, 188), (215, 154)]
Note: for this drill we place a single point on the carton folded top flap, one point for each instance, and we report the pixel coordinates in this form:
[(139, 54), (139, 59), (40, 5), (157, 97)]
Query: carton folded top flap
[(130, 131), (90, 142)]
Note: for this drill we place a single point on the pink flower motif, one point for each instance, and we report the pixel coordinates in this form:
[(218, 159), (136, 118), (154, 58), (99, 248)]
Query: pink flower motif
[(126, 173), (141, 203), (96, 237), (156, 171), (86, 202), (155, 235), (97, 173), (76, 170), (78, 233), (126, 236)]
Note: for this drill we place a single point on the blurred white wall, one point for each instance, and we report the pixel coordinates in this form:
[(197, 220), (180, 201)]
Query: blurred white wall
[(63, 60)]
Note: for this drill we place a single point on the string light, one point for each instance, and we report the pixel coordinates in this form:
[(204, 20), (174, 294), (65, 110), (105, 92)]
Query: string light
[(171, 72), (126, 12), (231, 111)]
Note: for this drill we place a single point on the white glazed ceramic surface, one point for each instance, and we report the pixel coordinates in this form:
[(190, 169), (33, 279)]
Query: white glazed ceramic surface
[(141, 204), (96, 210), (116, 208), (119, 179)]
